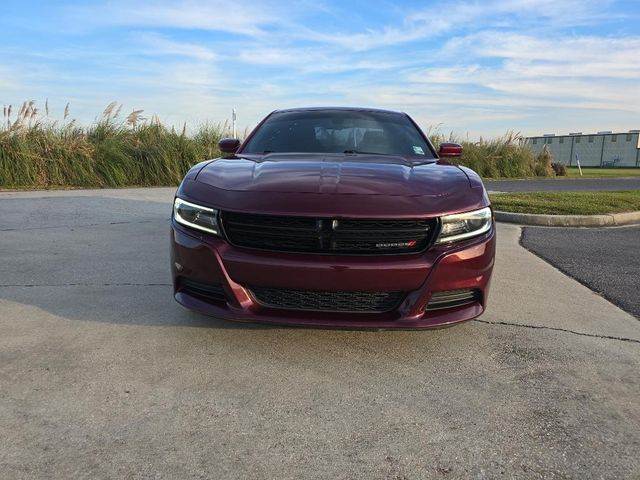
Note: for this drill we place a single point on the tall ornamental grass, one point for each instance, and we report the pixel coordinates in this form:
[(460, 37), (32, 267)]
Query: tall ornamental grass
[(505, 157), (115, 151)]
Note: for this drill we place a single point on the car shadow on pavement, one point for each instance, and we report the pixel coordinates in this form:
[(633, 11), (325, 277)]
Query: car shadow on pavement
[(130, 305), (91, 258)]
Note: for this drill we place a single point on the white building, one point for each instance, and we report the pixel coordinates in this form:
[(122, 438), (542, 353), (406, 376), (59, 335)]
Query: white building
[(602, 149)]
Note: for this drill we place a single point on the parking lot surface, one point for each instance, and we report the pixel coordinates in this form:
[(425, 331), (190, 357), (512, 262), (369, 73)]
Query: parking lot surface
[(103, 375), (564, 185), (607, 260)]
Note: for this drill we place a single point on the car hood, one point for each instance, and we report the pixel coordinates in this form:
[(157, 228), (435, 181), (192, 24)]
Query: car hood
[(334, 174)]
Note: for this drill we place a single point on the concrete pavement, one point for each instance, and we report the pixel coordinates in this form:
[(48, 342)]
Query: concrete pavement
[(103, 375)]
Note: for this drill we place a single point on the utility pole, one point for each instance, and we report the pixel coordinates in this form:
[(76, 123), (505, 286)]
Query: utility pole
[(233, 123)]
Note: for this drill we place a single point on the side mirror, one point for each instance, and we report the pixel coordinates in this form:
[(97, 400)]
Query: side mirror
[(229, 145), (448, 150)]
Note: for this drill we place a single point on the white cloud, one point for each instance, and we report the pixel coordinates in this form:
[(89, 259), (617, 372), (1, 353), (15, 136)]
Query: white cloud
[(244, 18), (319, 60), (557, 72), (386, 37), (447, 17), (563, 48), (158, 45)]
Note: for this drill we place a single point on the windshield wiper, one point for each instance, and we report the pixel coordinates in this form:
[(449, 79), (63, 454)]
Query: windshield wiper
[(356, 152)]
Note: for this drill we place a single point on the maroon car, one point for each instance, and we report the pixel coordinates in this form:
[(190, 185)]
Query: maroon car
[(334, 217)]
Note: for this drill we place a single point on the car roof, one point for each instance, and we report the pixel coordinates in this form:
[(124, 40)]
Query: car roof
[(352, 109)]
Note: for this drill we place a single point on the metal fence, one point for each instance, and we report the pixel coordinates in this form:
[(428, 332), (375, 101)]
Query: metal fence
[(596, 150)]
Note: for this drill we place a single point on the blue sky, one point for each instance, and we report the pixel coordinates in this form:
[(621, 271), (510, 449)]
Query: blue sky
[(472, 67)]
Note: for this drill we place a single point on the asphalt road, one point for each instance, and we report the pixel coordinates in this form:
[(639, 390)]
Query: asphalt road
[(103, 375), (607, 260), (564, 185)]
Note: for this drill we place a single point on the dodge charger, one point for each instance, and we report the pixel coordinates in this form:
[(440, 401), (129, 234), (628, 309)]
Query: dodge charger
[(334, 217)]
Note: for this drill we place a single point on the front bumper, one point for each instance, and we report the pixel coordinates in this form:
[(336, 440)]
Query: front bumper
[(213, 261)]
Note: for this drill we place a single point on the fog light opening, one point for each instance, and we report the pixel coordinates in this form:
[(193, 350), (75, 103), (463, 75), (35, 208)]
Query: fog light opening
[(211, 292), (453, 298)]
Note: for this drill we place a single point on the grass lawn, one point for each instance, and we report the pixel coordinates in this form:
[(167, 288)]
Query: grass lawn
[(572, 172), (567, 203)]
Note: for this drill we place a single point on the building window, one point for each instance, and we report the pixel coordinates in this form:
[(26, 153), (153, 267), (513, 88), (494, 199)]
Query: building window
[(577, 139), (590, 138), (561, 140), (535, 141), (614, 138)]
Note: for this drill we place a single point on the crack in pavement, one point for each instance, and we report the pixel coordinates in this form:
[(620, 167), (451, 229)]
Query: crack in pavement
[(71, 227), (125, 284), (557, 329)]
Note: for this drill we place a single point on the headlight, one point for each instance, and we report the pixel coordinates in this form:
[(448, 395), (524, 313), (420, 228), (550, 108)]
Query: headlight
[(196, 216), (464, 225)]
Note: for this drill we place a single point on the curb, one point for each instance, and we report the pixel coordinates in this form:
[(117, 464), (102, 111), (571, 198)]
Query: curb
[(609, 220)]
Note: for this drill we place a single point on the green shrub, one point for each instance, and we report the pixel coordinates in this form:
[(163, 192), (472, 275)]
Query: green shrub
[(544, 160), (559, 169)]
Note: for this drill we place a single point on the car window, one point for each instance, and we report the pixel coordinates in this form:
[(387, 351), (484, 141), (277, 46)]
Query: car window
[(339, 131)]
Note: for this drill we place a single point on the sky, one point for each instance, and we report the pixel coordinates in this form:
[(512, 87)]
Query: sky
[(475, 68)]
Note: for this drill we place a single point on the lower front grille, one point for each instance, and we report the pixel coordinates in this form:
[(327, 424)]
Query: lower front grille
[(453, 298), (360, 302), (205, 291)]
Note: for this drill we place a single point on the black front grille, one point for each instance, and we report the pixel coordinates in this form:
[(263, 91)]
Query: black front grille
[(362, 302), (453, 298), (205, 291), (328, 235)]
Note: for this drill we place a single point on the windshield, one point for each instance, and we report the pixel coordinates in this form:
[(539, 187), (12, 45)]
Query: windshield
[(339, 131)]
